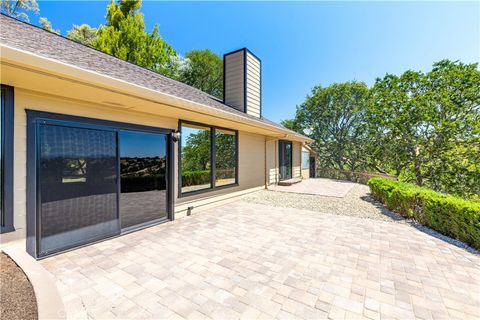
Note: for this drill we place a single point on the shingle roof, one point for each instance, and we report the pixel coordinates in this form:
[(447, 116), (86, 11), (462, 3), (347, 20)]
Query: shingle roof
[(33, 39)]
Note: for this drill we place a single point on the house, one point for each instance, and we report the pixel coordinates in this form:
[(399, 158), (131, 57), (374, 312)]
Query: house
[(95, 147)]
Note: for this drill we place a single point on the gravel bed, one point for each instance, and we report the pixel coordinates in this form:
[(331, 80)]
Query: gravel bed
[(357, 203)]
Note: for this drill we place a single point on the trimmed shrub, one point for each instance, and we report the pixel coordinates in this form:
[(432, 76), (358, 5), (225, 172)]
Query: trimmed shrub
[(452, 216), (193, 178), (353, 176)]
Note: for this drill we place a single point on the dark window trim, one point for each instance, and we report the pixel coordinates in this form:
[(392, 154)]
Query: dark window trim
[(245, 81), (8, 106), (212, 160), (33, 118)]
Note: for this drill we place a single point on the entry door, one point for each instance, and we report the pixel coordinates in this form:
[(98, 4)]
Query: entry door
[(312, 167), (77, 181), (285, 159), (143, 178)]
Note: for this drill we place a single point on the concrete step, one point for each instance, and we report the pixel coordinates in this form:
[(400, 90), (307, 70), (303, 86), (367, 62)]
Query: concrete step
[(289, 182)]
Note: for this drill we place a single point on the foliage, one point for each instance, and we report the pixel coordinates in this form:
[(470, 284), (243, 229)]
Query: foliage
[(195, 178), (421, 127), (18, 8), (426, 126), (196, 151), (354, 176), (124, 37), (83, 34), (203, 70), (292, 124), (196, 157), (449, 215), (336, 116), (225, 151), (47, 25)]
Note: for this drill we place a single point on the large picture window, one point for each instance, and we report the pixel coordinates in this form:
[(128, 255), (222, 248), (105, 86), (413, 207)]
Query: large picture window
[(225, 157), (208, 157), (6, 159)]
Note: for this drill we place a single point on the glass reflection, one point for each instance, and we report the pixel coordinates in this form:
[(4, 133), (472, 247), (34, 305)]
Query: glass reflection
[(196, 158), (143, 167), (78, 190), (288, 160), (225, 157)]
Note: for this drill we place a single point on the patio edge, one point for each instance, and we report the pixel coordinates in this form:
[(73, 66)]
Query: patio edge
[(49, 303)]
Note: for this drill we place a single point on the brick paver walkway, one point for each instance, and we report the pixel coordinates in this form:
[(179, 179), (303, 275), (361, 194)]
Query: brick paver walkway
[(318, 186), (253, 261)]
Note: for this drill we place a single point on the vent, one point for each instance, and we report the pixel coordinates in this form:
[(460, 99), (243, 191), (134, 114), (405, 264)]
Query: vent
[(242, 82)]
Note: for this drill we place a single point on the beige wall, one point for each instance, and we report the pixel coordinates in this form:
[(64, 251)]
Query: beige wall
[(254, 153), (234, 80), (258, 154), (297, 160), (272, 161)]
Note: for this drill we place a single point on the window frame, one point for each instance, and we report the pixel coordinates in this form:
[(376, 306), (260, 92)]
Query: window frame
[(213, 168), (34, 117), (6, 163)]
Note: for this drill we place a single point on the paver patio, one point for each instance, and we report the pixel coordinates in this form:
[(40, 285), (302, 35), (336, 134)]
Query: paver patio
[(318, 186), (244, 260)]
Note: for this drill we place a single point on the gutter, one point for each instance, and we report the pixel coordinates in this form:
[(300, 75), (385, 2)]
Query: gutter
[(30, 61)]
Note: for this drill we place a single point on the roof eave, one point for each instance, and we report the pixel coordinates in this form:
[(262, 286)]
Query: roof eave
[(22, 58)]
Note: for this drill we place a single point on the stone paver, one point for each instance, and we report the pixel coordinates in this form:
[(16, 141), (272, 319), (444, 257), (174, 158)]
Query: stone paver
[(252, 261), (318, 186)]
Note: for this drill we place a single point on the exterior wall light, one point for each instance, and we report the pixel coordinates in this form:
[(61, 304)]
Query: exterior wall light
[(176, 136)]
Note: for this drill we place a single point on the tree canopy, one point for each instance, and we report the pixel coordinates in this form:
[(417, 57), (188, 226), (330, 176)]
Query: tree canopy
[(422, 127), (336, 116), (427, 126), (124, 36), (203, 70), (83, 34), (47, 25), (19, 8)]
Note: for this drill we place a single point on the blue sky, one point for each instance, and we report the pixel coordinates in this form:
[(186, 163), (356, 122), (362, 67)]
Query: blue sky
[(303, 44)]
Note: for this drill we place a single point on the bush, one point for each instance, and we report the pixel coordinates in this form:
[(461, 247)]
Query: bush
[(353, 176), (193, 178), (452, 216)]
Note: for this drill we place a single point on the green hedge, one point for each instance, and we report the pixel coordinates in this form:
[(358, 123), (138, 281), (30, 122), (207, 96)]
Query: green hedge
[(353, 176), (449, 215), (193, 178)]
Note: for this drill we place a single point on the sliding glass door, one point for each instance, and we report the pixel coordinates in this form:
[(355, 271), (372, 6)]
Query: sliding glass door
[(143, 168), (92, 179), (77, 174)]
